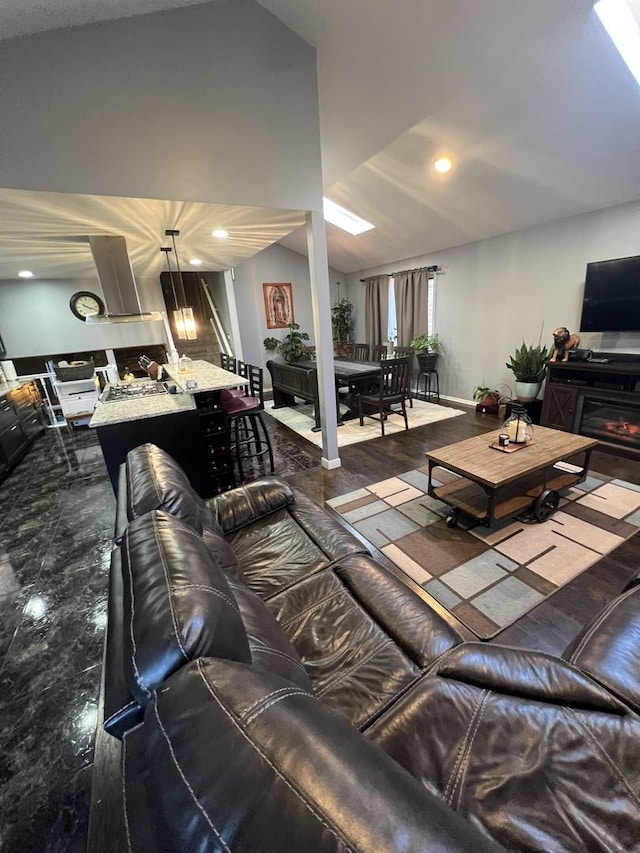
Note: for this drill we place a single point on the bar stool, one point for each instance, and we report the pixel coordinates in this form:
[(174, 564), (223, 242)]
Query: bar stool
[(240, 368), (244, 415), (427, 368), (227, 362)]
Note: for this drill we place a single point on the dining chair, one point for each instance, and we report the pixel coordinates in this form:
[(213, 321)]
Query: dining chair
[(360, 352), (378, 352), (399, 352), (392, 392), (244, 415)]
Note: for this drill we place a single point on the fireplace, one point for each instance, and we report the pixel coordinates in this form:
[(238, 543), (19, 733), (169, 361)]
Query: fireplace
[(613, 421)]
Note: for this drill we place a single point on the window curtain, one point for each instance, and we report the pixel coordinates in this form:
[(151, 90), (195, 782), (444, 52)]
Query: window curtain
[(376, 309), (411, 293)]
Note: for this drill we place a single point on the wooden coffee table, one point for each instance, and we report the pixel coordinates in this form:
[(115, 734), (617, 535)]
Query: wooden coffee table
[(489, 484)]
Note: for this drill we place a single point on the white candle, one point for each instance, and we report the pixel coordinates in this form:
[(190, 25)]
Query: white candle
[(517, 431)]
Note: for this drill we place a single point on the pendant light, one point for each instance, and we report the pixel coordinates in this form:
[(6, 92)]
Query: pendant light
[(183, 318)]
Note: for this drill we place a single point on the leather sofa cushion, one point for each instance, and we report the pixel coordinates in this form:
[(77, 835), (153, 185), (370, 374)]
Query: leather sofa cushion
[(609, 648), (532, 748), (232, 759), (278, 550), (361, 633), (177, 603)]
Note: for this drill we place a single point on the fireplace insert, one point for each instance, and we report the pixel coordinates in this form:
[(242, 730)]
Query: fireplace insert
[(612, 421)]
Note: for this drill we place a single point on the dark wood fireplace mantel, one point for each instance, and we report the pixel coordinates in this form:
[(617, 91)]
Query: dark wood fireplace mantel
[(614, 384)]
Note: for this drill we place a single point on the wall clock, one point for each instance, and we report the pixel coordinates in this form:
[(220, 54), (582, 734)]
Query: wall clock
[(85, 304)]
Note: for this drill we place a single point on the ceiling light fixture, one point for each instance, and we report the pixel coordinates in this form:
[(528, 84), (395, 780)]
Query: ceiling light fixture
[(183, 319), (623, 27), (195, 262), (442, 165), (220, 233), (25, 274), (344, 218)]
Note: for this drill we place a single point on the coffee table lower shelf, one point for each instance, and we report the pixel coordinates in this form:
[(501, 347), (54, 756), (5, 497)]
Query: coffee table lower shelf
[(472, 499)]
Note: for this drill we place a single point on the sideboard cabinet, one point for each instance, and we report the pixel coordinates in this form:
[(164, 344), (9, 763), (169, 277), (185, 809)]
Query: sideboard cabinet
[(597, 399), (21, 422)]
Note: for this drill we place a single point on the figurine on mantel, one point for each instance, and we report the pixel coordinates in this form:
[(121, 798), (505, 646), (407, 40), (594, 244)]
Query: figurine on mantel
[(563, 341)]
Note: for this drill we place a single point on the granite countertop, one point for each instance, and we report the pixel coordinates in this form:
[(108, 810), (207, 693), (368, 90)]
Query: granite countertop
[(207, 376), (121, 411)]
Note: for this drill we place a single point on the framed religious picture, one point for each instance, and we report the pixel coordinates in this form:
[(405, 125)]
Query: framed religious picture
[(278, 304)]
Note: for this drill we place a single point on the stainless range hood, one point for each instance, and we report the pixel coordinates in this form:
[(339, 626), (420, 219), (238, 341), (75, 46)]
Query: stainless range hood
[(118, 283)]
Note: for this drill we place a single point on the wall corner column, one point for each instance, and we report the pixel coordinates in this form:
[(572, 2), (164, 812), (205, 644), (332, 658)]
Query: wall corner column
[(320, 300)]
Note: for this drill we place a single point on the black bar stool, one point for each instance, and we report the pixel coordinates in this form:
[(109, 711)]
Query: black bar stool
[(427, 368), (245, 418)]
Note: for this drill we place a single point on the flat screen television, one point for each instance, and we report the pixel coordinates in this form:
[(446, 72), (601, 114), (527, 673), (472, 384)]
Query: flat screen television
[(612, 296)]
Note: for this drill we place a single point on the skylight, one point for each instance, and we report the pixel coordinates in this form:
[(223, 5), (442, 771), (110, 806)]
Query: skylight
[(622, 24), (344, 219)]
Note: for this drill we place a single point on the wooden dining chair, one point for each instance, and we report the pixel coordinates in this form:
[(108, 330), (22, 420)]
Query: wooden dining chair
[(360, 352), (378, 352), (392, 393), (399, 352)]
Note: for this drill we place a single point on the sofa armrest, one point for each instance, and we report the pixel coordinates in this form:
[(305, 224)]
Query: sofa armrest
[(232, 759), (608, 649), (527, 674), (242, 506)]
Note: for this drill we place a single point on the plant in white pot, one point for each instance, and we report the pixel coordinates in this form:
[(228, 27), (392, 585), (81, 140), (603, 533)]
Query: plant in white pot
[(528, 365)]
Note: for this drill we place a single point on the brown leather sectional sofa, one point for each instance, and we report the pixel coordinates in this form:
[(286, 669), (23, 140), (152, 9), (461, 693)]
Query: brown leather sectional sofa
[(277, 689)]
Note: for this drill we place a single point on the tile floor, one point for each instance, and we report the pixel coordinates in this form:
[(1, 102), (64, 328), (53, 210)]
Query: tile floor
[(56, 523)]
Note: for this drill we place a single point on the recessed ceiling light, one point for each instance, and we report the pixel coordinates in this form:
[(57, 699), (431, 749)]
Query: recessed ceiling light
[(623, 27), (344, 218), (195, 262), (25, 274), (442, 165), (220, 233)]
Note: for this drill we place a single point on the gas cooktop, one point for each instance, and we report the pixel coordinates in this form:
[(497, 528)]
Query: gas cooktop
[(133, 391)]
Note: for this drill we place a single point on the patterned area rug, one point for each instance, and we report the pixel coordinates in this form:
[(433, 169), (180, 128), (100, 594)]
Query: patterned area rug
[(486, 578), (300, 420)]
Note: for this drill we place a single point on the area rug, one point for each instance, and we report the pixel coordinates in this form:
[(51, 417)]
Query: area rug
[(489, 578), (300, 420)]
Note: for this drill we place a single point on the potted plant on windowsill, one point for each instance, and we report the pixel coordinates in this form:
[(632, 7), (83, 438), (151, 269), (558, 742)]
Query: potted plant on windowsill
[(427, 348), (528, 365), (292, 347), (342, 326)]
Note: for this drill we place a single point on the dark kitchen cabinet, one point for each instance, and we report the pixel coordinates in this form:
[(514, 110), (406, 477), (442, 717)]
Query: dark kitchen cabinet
[(21, 422)]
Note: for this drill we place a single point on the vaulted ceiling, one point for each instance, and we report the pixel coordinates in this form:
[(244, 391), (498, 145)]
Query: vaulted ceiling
[(530, 100)]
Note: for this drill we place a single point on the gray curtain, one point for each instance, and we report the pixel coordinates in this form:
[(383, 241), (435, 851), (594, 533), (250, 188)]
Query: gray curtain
[(376, 309), (411, 292)]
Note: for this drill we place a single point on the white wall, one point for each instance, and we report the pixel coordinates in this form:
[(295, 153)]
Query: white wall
[(213, 103), (273, 264), (35, 319), (493, 294)]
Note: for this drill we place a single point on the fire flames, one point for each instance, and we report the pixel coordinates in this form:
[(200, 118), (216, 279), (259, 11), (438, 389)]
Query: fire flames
[(622, 427)]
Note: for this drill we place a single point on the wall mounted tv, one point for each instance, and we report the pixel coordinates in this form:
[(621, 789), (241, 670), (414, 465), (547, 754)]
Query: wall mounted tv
[(612, 296)]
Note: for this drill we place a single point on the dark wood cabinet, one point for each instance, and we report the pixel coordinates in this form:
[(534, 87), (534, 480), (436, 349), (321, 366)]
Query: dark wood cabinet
[(559, 406), (21, 422), (214, 426)]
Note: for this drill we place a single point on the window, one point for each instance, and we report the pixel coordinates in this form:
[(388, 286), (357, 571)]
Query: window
[(392, 325)]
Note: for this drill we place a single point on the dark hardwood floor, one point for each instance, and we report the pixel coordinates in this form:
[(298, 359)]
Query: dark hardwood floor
[(557, 620)]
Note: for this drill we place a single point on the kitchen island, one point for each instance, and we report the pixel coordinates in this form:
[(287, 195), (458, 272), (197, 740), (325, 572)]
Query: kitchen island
[(190, 425)]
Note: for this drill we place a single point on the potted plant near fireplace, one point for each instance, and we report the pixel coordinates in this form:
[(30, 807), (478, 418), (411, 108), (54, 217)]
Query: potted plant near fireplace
[(528, 365)]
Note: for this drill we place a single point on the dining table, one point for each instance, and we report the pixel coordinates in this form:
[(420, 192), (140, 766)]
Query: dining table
[(356, 376)]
